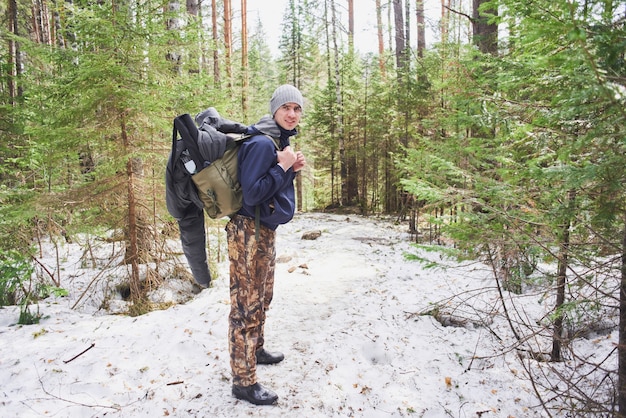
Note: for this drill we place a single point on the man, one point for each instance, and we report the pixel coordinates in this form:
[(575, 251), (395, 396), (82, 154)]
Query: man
[(266, 176)]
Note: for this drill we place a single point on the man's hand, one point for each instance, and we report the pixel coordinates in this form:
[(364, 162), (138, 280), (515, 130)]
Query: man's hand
[(286, 158), (300, 162)]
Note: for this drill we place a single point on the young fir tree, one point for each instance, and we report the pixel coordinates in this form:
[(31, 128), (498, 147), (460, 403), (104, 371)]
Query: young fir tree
[(98, 122), (529, 165)]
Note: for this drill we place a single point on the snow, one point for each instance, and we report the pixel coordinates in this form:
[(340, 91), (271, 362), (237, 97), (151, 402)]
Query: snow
[(346, 313)]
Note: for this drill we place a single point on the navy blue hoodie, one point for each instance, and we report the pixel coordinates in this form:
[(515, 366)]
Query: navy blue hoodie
[(263, 181)]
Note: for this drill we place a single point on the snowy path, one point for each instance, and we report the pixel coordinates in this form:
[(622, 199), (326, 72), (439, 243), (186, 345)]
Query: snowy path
[(342, 316)]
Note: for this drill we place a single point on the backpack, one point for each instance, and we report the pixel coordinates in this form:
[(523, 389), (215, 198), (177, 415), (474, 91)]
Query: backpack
[(216, 181)]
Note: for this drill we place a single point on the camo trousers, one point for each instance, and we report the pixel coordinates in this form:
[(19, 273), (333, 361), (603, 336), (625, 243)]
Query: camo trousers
[(252, 267)]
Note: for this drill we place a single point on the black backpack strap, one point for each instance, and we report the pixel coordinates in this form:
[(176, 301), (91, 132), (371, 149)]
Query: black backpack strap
[(173, 156), (185, 126)]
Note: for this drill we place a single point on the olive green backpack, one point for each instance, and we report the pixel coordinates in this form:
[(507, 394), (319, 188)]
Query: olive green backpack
[(218, 183)]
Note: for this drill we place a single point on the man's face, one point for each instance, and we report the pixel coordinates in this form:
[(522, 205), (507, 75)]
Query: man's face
[(288, 116)]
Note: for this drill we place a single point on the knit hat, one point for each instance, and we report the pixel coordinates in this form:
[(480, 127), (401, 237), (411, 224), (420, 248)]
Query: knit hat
[(285, 94)]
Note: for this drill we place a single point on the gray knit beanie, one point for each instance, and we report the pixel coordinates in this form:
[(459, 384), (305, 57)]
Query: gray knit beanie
[(285, 94)]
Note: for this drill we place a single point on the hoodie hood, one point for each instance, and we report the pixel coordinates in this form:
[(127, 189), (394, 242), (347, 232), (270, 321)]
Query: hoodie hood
[(268, 126)]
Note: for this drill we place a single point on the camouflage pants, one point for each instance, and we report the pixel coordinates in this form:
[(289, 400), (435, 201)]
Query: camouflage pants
[(251, 290)]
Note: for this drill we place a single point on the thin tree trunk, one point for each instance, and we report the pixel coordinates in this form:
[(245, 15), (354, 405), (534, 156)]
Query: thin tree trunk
[(59, 33), (421, 28), (197, 55), (228, 42), (445, 14), (407, 29), (621, 347), (365, 158), (407, 66), (175, 24), (400, 41), (390, 25), (351, 26), (352, 172), (391, 192), (132, 256), (14, 52), (132, 252), (244, 58), (41, 22), (561, 280), (294, 52), (329, 76), (381, 45), (343, 171), (216, 55)]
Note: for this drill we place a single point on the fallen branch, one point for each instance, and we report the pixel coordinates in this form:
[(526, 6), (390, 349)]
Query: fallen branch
[(80, 354), (57, 283), (99, 406)]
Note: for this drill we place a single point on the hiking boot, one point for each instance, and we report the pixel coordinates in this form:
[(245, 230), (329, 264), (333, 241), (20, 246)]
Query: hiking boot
[(265, 357), (255, 394)]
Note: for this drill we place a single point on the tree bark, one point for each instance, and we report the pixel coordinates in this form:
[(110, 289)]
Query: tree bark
[(621, 347), (216, 55), (445, 14), (41, 22), (400, 40), (421, 28), (197, 56), (14, 53), (561, 279), (175, 57), (193, 7), (484, 34), (244, 59), (228, 42), (351, 25), (352, 169), (343, 166), (132, 252), (407, 30), (381, 45)]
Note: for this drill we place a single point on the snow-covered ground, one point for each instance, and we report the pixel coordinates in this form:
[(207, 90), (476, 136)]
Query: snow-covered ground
[(346, 313)]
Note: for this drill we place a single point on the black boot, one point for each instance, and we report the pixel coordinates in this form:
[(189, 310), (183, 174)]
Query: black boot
[(265, 357), (255, 394)]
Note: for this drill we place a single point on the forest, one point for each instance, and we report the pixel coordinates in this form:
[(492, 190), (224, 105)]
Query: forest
[(501, 139)]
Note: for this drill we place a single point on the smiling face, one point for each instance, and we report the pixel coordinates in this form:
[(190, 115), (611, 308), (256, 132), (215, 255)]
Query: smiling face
[(288, 115)]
